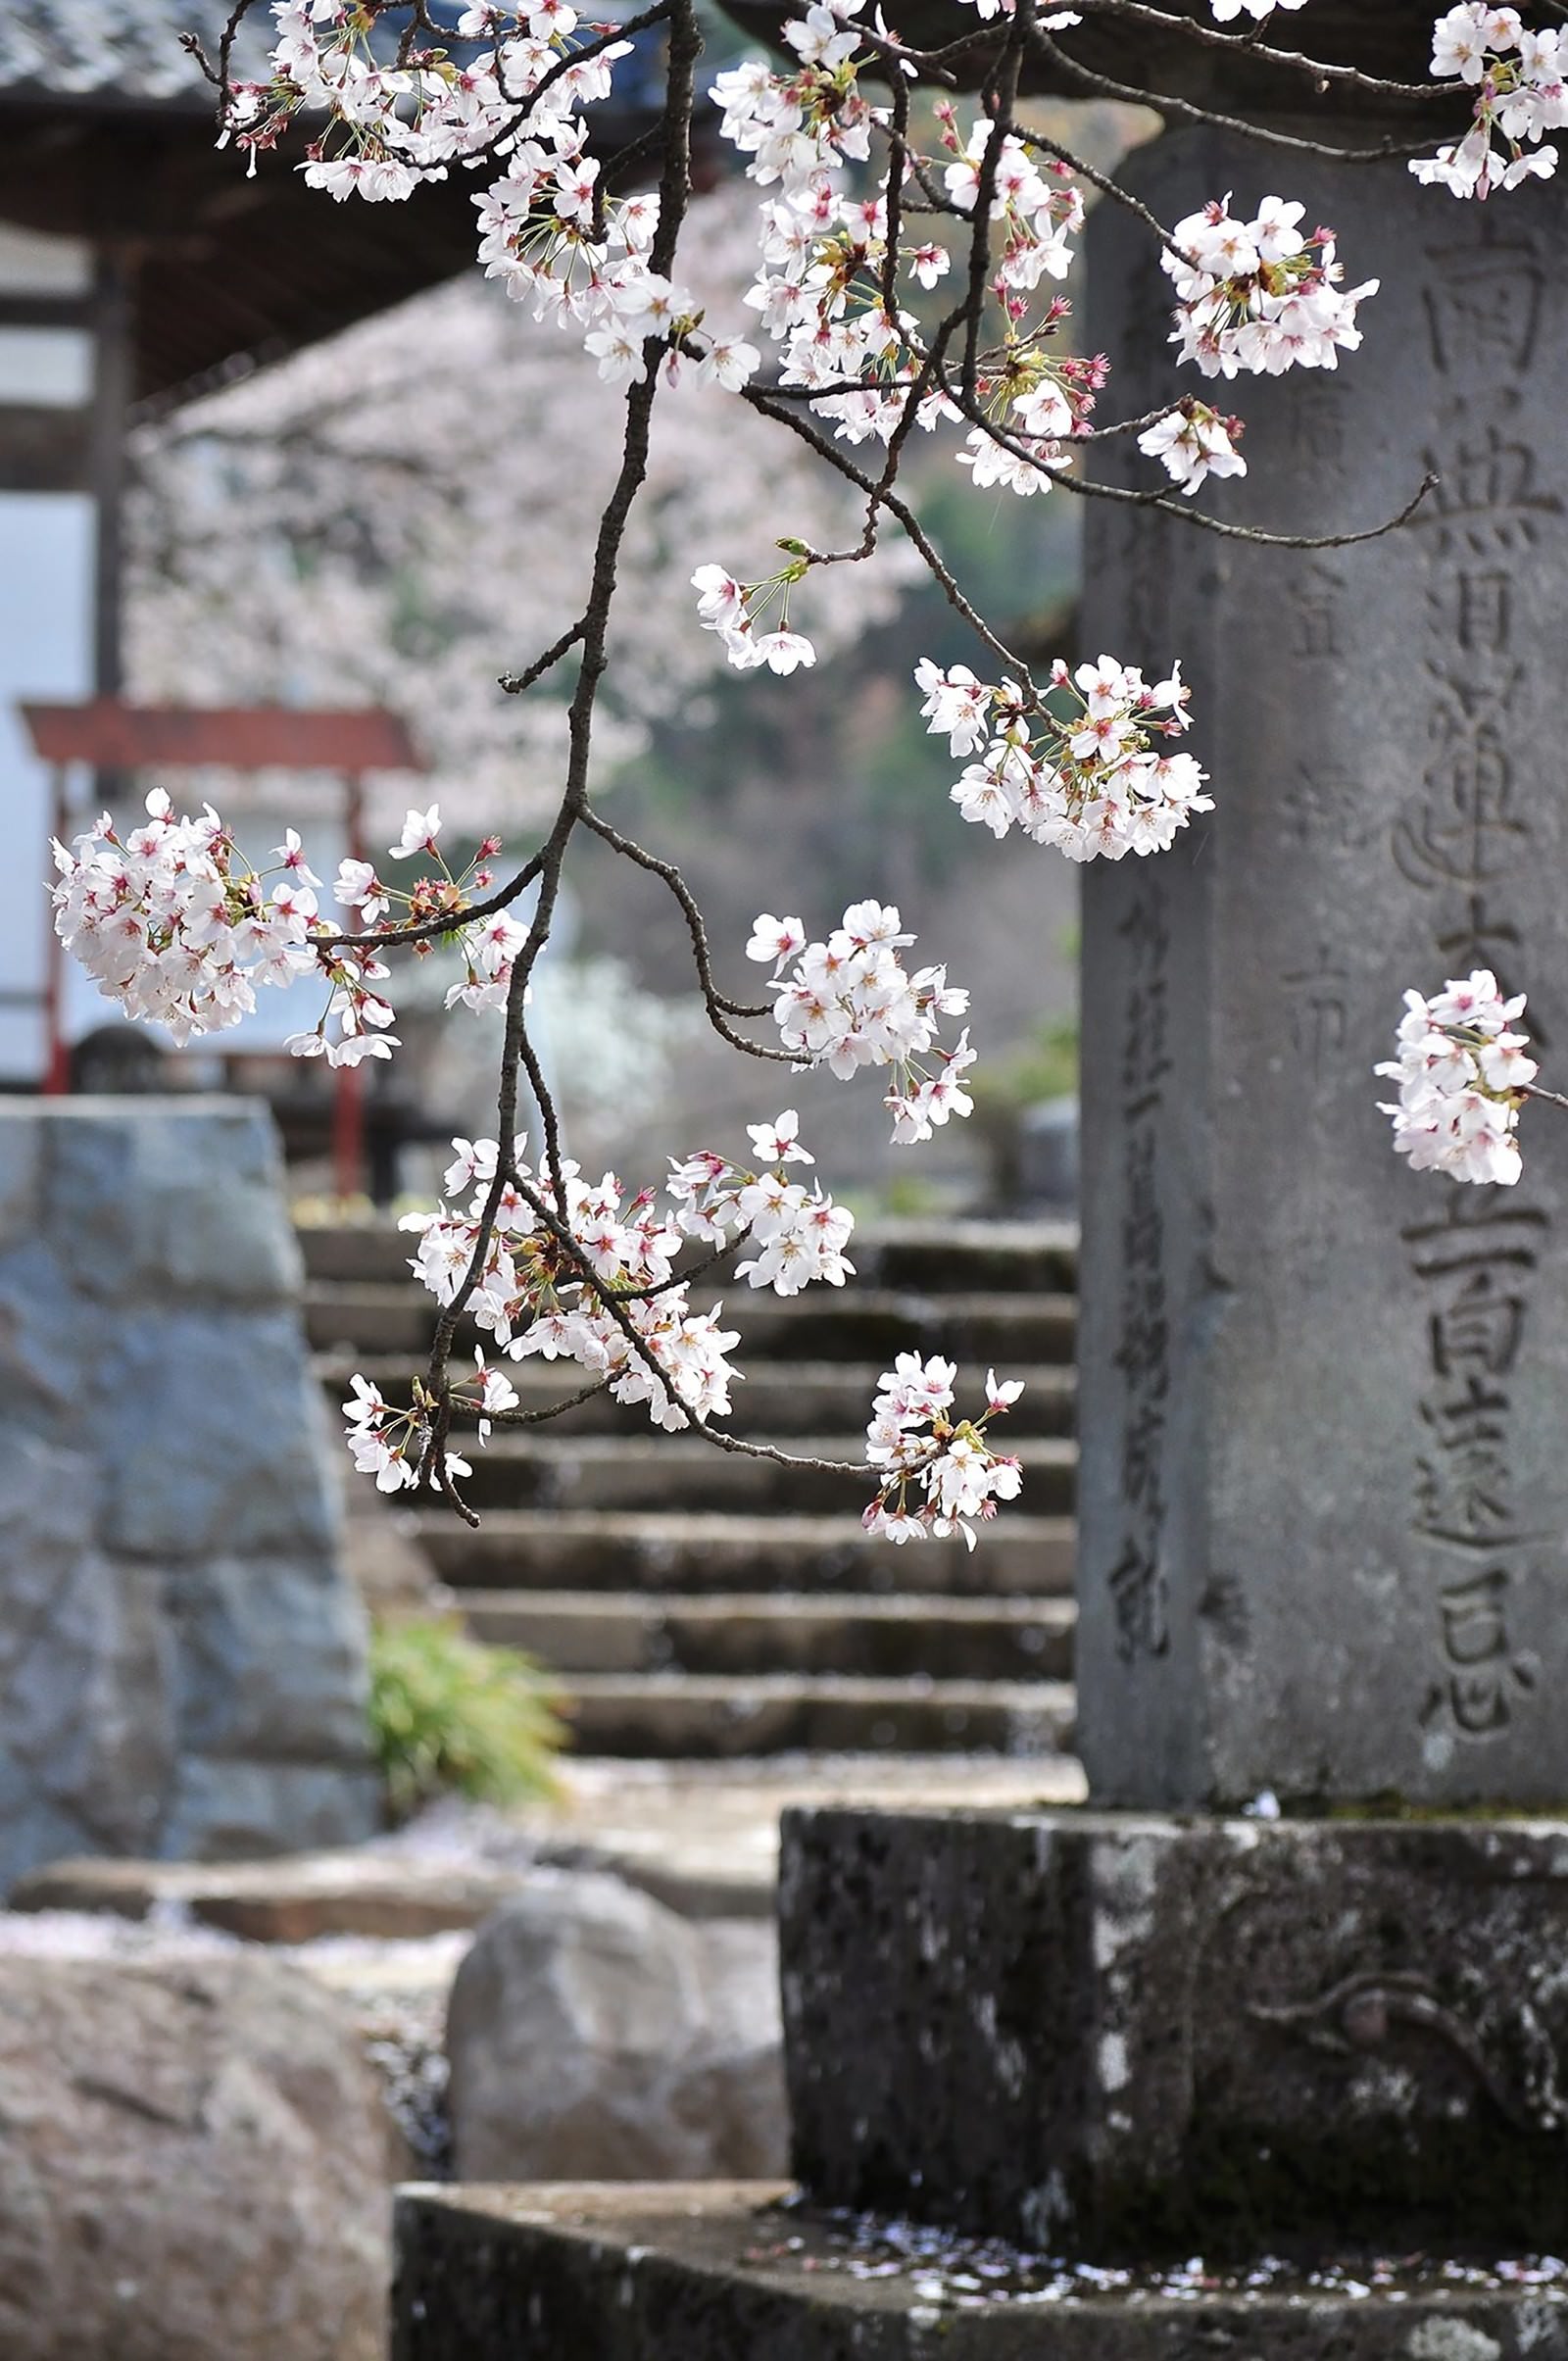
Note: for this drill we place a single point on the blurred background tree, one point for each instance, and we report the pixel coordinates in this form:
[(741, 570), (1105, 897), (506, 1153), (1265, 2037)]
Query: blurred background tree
[(331, 529)]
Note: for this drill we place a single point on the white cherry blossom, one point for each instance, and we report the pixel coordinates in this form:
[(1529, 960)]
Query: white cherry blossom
[(419, 832), (935, 1474), (1462, 1067), (1520, 78), (1193, 443), (1259, 295), (850, 1002)]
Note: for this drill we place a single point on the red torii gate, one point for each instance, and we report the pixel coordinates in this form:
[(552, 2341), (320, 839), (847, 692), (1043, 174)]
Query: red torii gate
[(110, 735)]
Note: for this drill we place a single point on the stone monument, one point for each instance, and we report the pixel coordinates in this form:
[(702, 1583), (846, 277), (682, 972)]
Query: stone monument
[(1294, 1983), (1324, 1497), (181, 1656)]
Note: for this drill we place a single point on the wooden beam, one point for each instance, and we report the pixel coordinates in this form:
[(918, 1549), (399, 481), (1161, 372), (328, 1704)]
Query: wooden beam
[(113, 736), (113, 364)]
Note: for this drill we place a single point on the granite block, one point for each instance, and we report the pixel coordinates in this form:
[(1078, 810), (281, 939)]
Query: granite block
[(270, 1661), (209, 1436), (179, 1196), (181, 1651), (222, 1809)]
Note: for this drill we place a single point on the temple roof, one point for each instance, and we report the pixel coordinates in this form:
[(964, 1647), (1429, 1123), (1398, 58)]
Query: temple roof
[(124, 52), (107, 133)]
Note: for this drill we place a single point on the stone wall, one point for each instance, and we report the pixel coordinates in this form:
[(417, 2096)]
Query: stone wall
[(181, 1658)]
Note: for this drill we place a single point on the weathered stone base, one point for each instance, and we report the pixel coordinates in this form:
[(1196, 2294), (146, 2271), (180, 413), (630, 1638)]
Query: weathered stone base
[(705, 2273), (1131, 2037)]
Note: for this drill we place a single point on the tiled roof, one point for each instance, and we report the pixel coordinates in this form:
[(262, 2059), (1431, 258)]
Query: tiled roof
[(128, 52), (117, 50)]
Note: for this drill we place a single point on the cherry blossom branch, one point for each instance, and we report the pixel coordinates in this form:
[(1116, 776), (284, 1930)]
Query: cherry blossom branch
[(1103, 85), (615, 1302), (661, 12), (674, 182), (217, 76), (515, 684), (1291, 61), (720, 1008), (177, 927), (554, 1410), (435, 930), (900, 509), (1161, 504), (998, 98)]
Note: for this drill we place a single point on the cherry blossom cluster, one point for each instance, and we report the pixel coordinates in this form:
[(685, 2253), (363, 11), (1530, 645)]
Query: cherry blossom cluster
[(820, 296), (735, 609), (800, 1233), (822, 293), (1095, 780), (1520, 81), (392, 124), (554, 240), (579, 1272), (1039, 210), (1462, 1069), (175, 928), (850, 1002), (393, 1445), (935, 1473), (632, 1326), (547, 229), (1194, 442), (1031, 400), (1259, 295), (172, 925)]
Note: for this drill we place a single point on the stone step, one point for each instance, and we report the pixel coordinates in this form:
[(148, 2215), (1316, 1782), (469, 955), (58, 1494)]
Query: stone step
[(884, 1638), (519, 1469), (821, 1324), (1029, 1257), (1020, 1557), (707, 1715), (733, 2271), (777, 1401)]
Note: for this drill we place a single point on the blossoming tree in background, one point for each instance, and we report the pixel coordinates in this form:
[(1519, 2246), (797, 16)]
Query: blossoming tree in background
[(908, 253), (391, 561)]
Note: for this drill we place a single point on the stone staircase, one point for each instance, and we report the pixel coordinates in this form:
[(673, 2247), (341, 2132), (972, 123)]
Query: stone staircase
[(700, 1605)]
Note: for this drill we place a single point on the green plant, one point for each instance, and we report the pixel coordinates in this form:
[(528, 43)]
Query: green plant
[(1044, 1067), (449, 1715)]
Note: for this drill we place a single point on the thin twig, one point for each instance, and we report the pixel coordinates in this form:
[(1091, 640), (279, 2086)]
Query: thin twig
[(1104, 86), (1291, 61), (516, 682), (719, 1006), (432, 930), (1162, 504)]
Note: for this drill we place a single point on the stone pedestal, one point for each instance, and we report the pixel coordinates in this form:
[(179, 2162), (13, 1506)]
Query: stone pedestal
[(1127, 2037), (1323, 1497), (719, 2272)]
